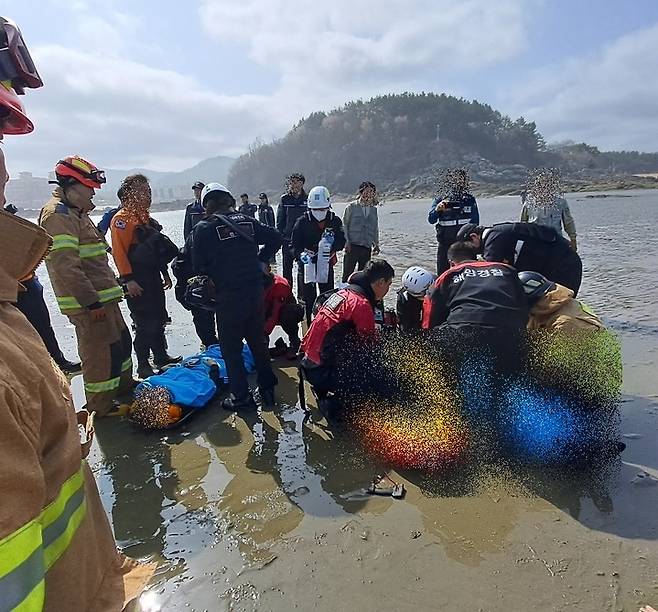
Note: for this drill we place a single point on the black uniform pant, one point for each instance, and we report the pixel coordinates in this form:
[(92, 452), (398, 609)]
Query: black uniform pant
[(311, 292), (290, 317), (288, 263), (322, 378), (31, 304), (568, 271), (445, 236), (358, 255), (242, 317), (206, 328), (149, 315)]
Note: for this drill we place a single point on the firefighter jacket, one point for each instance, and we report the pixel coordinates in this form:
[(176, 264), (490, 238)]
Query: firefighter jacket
[(77, 264), (559, 311), (57, 551)]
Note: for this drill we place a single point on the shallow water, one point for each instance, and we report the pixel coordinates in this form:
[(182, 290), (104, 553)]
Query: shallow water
[(271, 512)]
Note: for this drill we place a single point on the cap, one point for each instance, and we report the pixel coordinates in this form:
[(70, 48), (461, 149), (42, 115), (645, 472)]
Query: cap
[(262, 195), (466, 230), (198, 185)]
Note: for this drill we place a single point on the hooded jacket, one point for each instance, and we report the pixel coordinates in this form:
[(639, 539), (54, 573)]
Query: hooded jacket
[(57, 551), (77, 264), (559, 311)]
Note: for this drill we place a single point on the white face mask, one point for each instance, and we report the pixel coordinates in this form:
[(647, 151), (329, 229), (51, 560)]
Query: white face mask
[(319, 215)]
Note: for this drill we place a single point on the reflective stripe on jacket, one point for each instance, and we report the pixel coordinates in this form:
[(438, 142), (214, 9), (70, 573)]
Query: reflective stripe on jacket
[(77, 263)]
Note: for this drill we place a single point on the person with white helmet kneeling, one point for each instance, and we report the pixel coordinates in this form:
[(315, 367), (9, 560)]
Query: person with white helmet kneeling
[(416, 282), (316, 238)]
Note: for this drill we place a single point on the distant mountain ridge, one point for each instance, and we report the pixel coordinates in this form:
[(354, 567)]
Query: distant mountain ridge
[(208, 170)]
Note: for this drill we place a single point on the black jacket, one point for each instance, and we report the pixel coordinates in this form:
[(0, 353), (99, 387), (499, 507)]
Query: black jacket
[(409, 310), (460, 211), (289, 210), (266, 215), (194, 213), (526, 246), (308, 232), (477, 293), (232, 261), (248, 209)]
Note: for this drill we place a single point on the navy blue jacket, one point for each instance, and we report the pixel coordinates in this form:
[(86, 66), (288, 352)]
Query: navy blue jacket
[(248, 209), (233, 262), (460, 211), (266, 215), (291, 208), (194, 213), (106, 219)]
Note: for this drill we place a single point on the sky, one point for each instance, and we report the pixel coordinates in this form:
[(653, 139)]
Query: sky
[(165, 84)]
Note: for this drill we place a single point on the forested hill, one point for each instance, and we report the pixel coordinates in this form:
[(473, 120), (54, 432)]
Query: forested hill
[(399, 142)]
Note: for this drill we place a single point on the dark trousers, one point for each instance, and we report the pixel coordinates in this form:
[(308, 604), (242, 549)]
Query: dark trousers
[(241, 317), (31, 304), (290, 317), (568, 271), (205, 325), (288, 262), (149, 315), (358, 255), (322, 378), (311, 292), (442, 263)]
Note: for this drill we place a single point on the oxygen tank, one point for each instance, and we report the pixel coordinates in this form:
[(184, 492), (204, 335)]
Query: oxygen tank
[(324, 255)]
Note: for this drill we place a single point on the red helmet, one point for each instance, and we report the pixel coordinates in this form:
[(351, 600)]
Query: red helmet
[(74, 167), (13, 119)]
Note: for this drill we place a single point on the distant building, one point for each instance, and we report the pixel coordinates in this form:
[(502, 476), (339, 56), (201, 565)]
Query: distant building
[(28, 191), (170, 193)]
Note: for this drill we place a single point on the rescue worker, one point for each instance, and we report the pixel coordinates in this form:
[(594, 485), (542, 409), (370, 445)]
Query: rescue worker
[(528, 246), (246, 207), (86, 289), (194, 210), (56, 544), (361, 224), (450, 212), (348, 310), (225, 248), (545, 204), (204, 320), (142, 253), (292, 206), (265, 211), (282, 309), (476, 294), (416, 282), (553, 307), (310, 228), (57, 551)]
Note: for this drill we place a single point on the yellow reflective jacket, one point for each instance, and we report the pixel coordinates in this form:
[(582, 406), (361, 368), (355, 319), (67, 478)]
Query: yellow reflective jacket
[(77, 263)]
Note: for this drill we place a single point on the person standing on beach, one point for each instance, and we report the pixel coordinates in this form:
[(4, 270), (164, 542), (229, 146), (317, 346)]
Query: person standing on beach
[(545, 204), (193, 211), (292, 206), (361, 226), (449, 213), (265, 212), (139, 250), (86, 289), (246, 207)]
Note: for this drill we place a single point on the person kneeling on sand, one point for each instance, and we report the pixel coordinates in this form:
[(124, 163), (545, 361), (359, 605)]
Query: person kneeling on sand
[(281, 308), (553, 307), (416, 281), (348, 310)]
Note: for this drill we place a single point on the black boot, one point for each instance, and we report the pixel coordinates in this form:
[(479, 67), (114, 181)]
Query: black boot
[(68, 367), (144, 370)]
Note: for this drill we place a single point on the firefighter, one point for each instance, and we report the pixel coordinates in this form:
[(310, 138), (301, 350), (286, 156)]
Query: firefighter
[(142, 253), (86, 289)]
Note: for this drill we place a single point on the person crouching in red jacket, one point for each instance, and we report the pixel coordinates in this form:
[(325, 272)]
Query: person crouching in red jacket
[(282, 309), (348, 310)]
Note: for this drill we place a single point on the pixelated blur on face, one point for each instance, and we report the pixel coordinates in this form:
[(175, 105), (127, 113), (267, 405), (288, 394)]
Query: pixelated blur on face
[(142, 191), (369, 194), (296, 186)]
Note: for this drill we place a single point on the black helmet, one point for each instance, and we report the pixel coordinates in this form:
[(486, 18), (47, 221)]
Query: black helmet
[(535, 285), (200, 293), (466, 230)]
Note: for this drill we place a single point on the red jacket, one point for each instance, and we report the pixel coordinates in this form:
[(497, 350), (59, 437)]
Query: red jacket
[(278, 294), (346, 310)]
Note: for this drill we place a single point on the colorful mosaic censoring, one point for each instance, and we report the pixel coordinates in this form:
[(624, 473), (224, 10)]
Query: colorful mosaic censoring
[(543, 187), (433, 400)]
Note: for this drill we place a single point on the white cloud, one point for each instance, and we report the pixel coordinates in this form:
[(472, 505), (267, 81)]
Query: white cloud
[(609, 99)]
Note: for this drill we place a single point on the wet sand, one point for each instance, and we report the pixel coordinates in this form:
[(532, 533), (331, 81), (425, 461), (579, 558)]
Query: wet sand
[(271, 513)]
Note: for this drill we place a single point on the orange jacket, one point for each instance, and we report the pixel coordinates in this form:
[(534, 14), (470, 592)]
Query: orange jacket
[(123, 237)]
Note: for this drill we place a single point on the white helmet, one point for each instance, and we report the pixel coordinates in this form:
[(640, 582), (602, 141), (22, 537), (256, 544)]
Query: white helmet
[(318, 198), (417, 281), (210, 187)]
